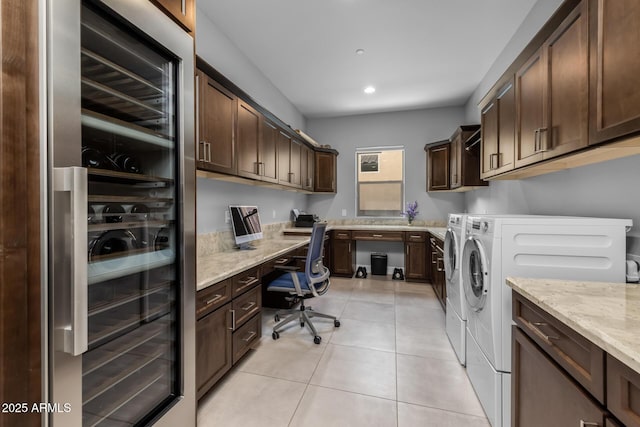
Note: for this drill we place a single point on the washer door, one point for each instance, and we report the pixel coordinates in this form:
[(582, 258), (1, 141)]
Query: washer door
[(450, 254), (475, 276)]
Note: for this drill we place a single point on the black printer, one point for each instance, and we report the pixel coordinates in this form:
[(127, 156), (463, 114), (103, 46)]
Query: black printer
[(303, 219)]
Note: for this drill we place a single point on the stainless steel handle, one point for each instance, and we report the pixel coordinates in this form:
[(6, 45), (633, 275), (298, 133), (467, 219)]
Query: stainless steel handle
[(584, 423), (202, 155), (491, 165), (197, 107), (413, 236), (542, 147), (214, 299), (233, 320), (546, 337), (208, 151), (248, 306), (438, 261), (73, 180), (536, 139), (377, 235), (433, 257), (251, 335)]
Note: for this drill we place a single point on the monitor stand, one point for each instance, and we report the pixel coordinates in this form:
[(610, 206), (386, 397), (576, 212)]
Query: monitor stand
[(246, 246)]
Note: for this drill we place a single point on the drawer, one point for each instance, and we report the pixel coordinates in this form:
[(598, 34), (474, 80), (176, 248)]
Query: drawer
[(245, 281), (385, 236), (244, 337), (412, 236), (582, 359), (246, 305), (212, 297), (341, 234), (269, 266), (623, 392)]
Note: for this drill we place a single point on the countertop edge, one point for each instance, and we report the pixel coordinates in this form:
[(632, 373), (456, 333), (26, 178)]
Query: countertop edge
[(599, 337)]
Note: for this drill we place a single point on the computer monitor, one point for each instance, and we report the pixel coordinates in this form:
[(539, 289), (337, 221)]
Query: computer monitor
[(245, 222)]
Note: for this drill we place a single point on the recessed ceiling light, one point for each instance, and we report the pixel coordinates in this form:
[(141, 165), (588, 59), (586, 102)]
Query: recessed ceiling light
[(359, 51), (369, 89)]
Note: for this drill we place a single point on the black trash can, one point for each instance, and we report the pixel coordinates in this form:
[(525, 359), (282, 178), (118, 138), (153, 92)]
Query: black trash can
[(378, 264)]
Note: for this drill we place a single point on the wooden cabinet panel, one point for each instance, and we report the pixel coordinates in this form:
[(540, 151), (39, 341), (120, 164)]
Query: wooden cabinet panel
[(623, 392), (614, 69), (284, 158), (306, 167), (567, 87), (542, 394), (295, 164), (342, 256), (181, 11), (217, 108), (268, 151), (387, 236), (325, 172), (436, 267), (341, 234), (245, 336), (582, 359), (247, 141), (438, 167), (415, 261), (211, 298), (245, 281), (247, 305), (530, 81), (213, 348), (498, 122), (464, 164), (455, 162)]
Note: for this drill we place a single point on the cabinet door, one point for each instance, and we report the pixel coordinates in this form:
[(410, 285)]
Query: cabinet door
[(567, 86), (247, 141), (216, 119), (530, 110), (489, 148), (268, 162), (415, 257), (306, 167), (455, 162), (342, 258), (623, 392), (284, 158), (506, 102), (213, 348), (295, 168), (438, 168), (181, 11), (324, 172), (542, 394), (614, 69)]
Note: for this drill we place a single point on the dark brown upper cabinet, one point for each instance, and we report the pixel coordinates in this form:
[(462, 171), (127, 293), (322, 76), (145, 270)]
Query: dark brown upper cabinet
[(248, 141), (216, 116), (295, 163), (438, 166), (614, 69), (181, 11), (306, 168), (325, 172), (268, 162), (498, 122), (284, 157), (552, 93), (464, 161)]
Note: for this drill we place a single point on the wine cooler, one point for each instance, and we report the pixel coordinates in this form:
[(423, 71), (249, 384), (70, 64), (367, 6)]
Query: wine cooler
[(122, 228)]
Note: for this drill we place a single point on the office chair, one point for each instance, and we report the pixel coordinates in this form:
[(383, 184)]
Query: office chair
[(313, 282)]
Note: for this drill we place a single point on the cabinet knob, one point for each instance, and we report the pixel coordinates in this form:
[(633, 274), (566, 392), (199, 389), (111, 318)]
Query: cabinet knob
[(584, 423)]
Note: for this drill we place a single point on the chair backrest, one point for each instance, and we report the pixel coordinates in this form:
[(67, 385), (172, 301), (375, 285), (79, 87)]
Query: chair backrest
[(315, 271)]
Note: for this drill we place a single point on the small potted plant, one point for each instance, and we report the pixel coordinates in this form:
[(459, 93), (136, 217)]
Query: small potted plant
[(412, 211)]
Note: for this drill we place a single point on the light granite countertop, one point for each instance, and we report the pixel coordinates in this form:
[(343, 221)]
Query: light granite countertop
[(607, 314), (222, 265)]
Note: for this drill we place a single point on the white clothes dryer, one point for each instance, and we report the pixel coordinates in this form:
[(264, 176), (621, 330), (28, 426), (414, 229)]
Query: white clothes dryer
[(572, 248), (456, 308)]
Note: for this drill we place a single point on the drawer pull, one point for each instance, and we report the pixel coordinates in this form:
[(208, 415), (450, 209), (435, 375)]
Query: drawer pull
[(548, 338), (433, 257), (282, 261), (250, 281), (413, 236), (250, 337), (584, 423), (377, 235), (440, 261), (214, 299), (343, 234), (248, 306), (233, 320)]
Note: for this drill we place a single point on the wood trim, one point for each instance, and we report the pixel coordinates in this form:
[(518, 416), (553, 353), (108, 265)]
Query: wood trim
[(20, 239)]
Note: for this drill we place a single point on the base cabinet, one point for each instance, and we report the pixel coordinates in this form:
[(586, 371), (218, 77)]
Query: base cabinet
[(213, 349), (342, 253), (436, 263), (415, 257), (543, 395)]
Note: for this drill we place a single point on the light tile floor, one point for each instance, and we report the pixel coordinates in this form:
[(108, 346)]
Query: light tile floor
[(388, 364)]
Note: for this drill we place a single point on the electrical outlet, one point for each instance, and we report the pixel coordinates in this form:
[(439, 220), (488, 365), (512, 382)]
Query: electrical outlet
[(344, 212), (227, 218)]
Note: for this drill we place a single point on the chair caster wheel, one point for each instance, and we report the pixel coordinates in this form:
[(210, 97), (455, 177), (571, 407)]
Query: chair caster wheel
[(276, 318), (275, 335), (317, 339), (336, 323)]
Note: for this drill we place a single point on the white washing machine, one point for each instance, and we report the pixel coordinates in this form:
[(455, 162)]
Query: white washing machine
[(456, 311), (570, 248)]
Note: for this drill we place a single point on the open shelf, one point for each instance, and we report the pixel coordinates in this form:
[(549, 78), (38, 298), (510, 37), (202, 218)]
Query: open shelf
[(114, 268), (112, 125), (155, 202), (127, 177)]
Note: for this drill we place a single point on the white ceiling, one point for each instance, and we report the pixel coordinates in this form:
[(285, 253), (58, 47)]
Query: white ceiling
[(418, 53)]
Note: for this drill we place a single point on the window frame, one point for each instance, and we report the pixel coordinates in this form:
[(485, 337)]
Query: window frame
[(374, 150)]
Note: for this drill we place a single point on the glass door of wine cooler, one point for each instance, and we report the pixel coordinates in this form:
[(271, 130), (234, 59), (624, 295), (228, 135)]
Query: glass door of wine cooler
[(121, 321)]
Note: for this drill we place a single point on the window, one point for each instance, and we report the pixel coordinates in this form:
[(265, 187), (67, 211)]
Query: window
[(380, 181)]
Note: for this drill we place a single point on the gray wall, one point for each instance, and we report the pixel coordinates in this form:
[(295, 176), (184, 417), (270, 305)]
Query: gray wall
[(214, 197), (607, 189), (412, 129)]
